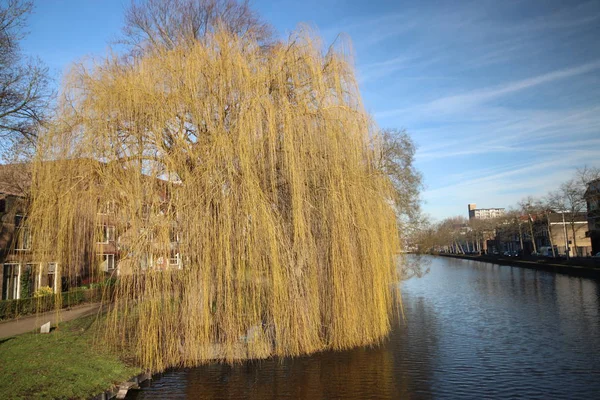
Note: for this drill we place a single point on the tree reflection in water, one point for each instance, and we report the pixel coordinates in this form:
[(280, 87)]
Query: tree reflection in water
[(469, 330)]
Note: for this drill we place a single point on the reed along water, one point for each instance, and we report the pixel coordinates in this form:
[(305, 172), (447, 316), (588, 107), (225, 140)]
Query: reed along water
[(470, 330)]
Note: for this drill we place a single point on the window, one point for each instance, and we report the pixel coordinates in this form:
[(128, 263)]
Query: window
[(52, 276), (174, 235), (51, 268), (10, 281), (146, 261), (107, 234), (23, 233), (174, 258), (107, 262), (35, 277), (27, 281), (108, 207)]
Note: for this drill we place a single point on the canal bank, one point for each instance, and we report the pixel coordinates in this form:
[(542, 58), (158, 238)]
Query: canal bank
[(584, 271)]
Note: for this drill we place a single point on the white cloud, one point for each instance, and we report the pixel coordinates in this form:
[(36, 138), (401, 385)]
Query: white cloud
[(461, 102)]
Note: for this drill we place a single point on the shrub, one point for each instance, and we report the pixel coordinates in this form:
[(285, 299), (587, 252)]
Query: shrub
[(43, 291)]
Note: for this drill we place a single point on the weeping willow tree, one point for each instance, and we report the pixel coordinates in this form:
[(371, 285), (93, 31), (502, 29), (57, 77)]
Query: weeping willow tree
[(250, 216)]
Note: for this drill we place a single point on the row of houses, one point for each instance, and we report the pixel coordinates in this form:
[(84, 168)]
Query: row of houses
[(22, 274), (572, 234), (565, 232)]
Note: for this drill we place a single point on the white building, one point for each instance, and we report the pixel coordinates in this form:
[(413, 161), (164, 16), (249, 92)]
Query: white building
[(484, 213)]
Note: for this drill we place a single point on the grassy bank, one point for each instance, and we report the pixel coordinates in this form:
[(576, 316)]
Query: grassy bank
[(64, 364)]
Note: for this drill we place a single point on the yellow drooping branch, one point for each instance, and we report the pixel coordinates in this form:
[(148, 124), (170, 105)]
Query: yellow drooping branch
[(248, 215)]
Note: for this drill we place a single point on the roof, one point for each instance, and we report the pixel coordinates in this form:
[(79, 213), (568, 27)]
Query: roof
[(593, 188)]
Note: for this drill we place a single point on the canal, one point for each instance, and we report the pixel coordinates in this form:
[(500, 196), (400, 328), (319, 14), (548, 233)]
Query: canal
[(470, 330)]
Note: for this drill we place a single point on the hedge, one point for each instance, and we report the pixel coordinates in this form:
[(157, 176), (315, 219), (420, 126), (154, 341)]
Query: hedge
[(18, 308)]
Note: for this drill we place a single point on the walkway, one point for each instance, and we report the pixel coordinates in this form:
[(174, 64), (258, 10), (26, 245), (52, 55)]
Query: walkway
[(34, 322)]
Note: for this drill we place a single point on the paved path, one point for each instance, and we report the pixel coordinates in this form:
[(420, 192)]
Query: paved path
[(34, 322)]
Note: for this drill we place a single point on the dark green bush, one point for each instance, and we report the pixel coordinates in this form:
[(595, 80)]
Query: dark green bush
[(33, 305)]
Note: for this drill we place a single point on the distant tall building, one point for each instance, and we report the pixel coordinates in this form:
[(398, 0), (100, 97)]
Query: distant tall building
[(484, 213)]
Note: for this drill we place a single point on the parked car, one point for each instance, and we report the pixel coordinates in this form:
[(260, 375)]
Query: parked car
[(597, 255), (546, 251)]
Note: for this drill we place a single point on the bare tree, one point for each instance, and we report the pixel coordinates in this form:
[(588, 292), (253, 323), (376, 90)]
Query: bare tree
[(530, 208), (397, 162), (509, 226), (545, 209), (482, 230), (451, 233), (587, 174), (151, 24), (24, 91), (568, 199)]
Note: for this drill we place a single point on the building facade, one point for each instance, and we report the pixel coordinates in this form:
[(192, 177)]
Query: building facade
[(569, 232), (104, 237), (484, 213), (592, 198)]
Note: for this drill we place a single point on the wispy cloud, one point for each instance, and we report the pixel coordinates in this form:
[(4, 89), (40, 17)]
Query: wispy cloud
[(455, 103), (512, 131), (525, 176)]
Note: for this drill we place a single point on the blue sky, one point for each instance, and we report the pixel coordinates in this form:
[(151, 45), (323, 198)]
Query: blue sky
[(501, 97)]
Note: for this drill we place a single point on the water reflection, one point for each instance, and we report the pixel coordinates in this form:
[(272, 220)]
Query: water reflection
[(389, 371), (471, 330)]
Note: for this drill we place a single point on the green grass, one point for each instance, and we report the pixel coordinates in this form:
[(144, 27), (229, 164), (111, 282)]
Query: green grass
[(65, 364)]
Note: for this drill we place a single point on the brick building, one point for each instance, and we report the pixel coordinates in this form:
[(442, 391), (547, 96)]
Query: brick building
[(104, 238), (592, 198)]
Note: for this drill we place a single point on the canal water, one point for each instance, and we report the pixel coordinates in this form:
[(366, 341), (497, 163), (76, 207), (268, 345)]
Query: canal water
[(470, 330)]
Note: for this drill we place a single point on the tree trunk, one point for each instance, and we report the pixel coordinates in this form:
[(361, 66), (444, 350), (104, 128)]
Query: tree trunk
[(460, 247), (551, 241), (521, 237), (574, 240), (532, 237)]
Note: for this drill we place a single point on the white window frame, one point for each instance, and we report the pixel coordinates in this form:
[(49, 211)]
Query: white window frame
[(54, 272), (106, 263), (176, 258), (17, 288), (108, 207), (174, 234), (19, 281), (108, 234)]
